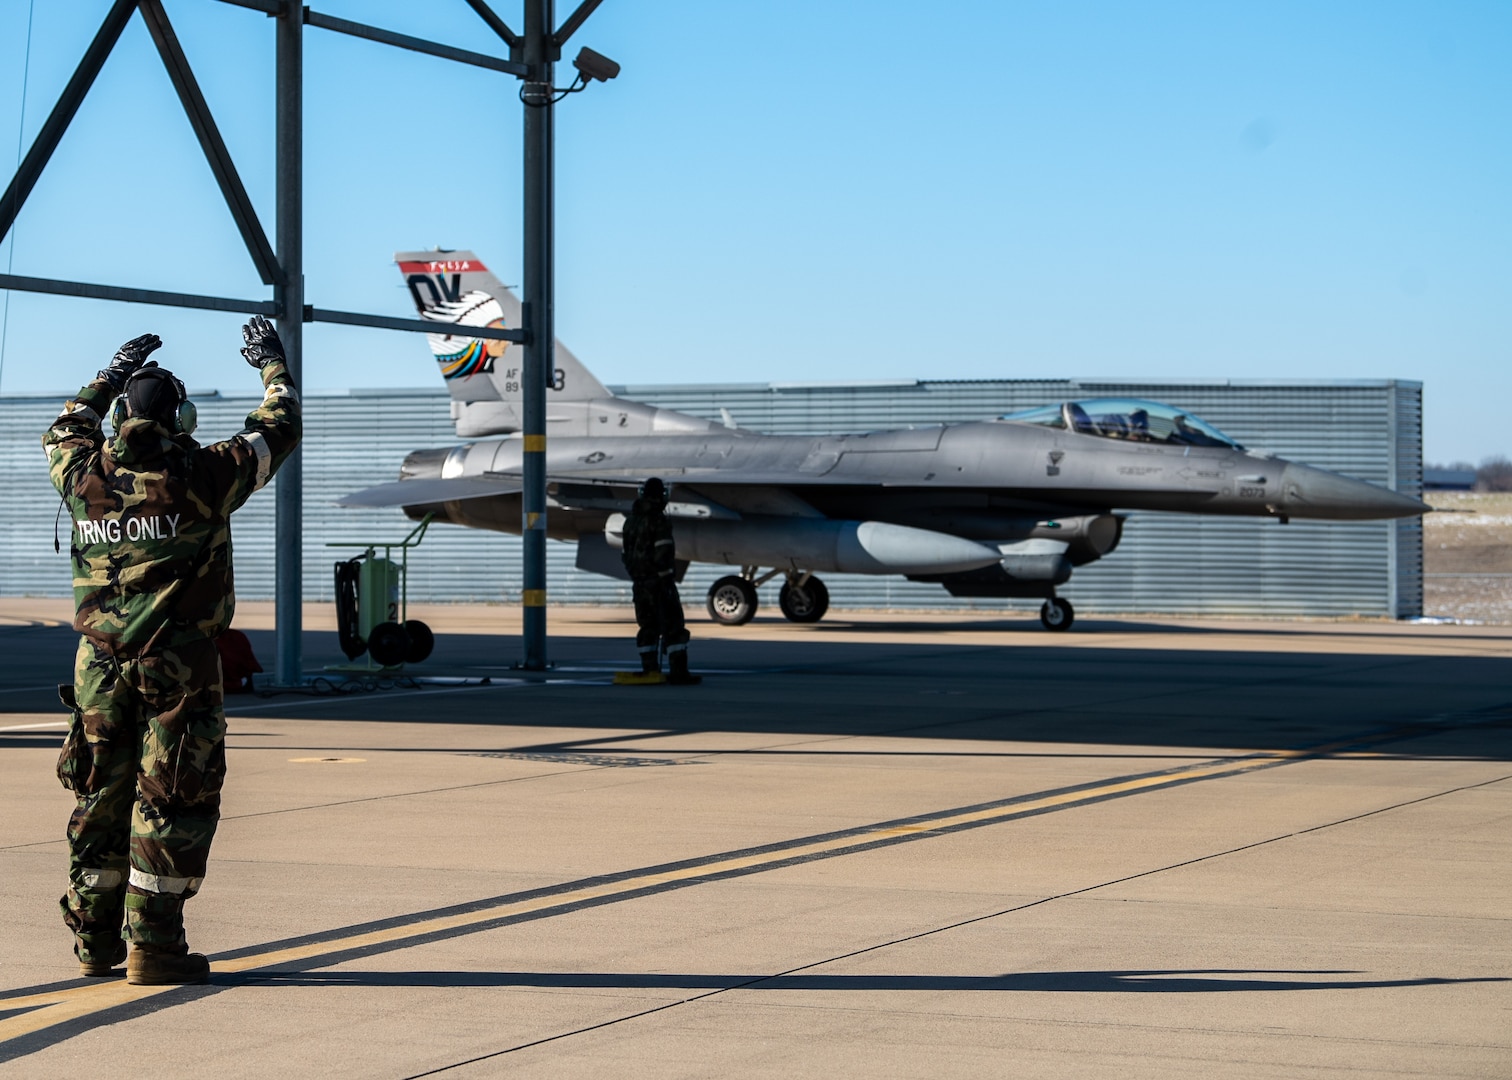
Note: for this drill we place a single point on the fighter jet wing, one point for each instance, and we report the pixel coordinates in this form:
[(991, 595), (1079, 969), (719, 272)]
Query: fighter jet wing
[(682, 475), (416, 492)]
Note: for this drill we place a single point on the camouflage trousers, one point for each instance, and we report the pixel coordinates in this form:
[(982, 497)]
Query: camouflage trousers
[(659, 616), (147, 776)]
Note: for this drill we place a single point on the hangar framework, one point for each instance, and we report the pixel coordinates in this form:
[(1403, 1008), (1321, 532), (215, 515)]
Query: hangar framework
[(1167, 563), (281, 264)]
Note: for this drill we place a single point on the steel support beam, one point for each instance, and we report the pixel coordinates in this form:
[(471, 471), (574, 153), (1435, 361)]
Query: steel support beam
[(496, 24), (575, 20), (414, 44), (63, 113), (538, 301), (135, 296), (424, 326), (267, 7), (288, 616), (182, 77)]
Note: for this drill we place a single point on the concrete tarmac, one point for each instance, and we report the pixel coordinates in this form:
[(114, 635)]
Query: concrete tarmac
[(885, 845)]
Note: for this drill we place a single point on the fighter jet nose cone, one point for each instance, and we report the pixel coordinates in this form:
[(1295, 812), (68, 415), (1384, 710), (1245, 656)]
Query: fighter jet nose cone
[(1318, 493)]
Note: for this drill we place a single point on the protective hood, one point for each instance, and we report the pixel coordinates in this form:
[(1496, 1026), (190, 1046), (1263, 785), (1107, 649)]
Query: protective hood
[(143, 440)]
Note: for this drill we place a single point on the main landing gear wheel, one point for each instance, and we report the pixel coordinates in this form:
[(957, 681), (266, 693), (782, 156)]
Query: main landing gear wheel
[(1057, 615), (804, 603), (732, 601)]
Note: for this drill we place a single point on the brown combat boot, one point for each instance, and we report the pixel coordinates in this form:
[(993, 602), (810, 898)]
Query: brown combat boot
[(105, 965), (165, 969)]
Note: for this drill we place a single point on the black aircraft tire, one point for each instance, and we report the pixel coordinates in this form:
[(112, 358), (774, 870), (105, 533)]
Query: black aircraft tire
[(805, 604), (732, 601), (421, 641), (1057, 615), (388, 644)]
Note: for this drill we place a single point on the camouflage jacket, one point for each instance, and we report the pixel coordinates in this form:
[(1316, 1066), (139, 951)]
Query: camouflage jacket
[(648, 549), (151, 537)]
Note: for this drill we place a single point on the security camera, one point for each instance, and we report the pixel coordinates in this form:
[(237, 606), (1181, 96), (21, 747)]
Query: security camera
[(592, 65)]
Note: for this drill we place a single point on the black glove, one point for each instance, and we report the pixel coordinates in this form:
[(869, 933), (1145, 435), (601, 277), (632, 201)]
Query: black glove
[(128, 358), (263, 346)]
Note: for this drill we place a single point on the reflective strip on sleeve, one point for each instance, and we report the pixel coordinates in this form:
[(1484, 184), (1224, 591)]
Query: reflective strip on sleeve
[(259, 446), (659, 543), (78, 408), (101, 879), (171, 886)]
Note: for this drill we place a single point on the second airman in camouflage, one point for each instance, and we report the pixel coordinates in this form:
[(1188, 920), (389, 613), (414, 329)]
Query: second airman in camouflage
[(151, 556)]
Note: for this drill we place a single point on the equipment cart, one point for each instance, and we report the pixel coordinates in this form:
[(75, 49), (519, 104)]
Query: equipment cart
[(372, 606)]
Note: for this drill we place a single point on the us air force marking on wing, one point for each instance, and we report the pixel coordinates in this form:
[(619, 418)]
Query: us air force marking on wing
[(151, 552)]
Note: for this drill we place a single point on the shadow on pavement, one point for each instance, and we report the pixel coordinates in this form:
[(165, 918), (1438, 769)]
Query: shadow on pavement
[(1197, 981), (1058, 691)]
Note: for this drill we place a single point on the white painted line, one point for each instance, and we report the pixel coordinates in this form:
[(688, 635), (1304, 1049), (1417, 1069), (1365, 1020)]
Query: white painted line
[(34, 727)]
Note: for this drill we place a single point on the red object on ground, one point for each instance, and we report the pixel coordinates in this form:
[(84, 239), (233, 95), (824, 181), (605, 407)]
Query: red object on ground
[(238, 662)]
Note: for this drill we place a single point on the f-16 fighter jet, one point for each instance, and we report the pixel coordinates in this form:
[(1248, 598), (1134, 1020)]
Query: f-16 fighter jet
[(1005, 507)]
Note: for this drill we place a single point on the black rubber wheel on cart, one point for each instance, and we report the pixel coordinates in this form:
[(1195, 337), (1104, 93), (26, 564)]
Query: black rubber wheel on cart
[(388, 644), (421, 641)]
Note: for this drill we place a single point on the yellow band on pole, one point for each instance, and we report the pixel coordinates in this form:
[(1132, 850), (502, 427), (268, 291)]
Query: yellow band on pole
[(533, 597), (535, 444)]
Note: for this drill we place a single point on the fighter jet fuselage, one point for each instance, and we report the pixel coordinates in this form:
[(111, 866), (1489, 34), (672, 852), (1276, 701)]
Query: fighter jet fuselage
[(1001, 507)]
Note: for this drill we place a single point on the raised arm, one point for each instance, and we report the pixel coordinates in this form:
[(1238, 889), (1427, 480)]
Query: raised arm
[(248, 460), (75, 435)]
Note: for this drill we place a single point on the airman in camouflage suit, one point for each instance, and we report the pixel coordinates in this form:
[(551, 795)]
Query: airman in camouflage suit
[(649, 555), (151, 556)]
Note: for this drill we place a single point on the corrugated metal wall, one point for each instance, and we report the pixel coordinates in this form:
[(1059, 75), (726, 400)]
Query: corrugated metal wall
[(1167, 563)]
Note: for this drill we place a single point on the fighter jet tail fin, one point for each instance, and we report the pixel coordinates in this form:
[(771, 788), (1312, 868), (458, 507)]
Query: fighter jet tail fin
[(454, 287)]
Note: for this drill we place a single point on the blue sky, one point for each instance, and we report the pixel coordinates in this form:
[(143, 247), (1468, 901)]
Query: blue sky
[(793, 190)]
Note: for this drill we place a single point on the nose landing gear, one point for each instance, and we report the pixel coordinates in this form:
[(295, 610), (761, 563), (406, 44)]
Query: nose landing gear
[(1057, 615)]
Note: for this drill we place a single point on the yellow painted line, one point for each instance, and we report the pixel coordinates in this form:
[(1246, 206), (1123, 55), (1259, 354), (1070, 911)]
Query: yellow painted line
[(533, 597), (535, 444), (69, 1005), (61, 1006)]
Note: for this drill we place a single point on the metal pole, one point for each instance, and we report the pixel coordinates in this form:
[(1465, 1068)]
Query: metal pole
[(289, 493), (538, 300)]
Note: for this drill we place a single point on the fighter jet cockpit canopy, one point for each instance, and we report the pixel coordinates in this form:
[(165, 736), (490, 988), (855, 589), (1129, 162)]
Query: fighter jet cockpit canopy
[(1129, 419)]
